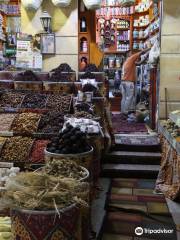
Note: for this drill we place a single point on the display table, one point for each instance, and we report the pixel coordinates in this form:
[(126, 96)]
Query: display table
[(168, 181)]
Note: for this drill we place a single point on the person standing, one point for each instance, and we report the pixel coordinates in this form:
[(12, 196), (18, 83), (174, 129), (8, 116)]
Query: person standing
[(128, 81)]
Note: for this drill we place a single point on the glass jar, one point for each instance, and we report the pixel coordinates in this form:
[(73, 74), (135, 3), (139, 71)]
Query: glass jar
[(141, 34), (111, 62), (118, 63)]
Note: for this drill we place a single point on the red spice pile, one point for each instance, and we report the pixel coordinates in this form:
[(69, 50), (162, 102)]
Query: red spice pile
[(37, 155)]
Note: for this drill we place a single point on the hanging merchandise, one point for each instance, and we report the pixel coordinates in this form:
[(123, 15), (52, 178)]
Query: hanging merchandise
[(32, 4), (92, 4), (61, 3), (127, 2), (154, 53)]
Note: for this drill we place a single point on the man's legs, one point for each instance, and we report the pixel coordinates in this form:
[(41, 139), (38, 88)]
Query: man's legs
[(128, 99)]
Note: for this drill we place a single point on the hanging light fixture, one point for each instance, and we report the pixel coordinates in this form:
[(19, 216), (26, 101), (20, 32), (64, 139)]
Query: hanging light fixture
[(46, 21)]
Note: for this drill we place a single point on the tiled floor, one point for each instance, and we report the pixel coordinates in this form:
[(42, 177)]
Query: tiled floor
[(132, 203)]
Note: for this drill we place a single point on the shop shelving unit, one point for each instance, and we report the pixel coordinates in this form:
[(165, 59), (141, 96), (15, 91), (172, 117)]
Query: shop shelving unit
[(152, 18), (11, 12)]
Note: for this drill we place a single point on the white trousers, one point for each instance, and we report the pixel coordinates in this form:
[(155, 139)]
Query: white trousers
[(128, 96)]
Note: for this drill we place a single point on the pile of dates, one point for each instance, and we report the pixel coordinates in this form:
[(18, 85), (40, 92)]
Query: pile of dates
[(63, 67), (28, 75), (88, 75), (91, 68), (70, 141), (51, 122)]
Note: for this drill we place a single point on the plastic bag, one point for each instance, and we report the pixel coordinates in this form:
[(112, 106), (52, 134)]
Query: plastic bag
[(32, 4), (92, 4), (127, 2), (61, 3), (154, 53)]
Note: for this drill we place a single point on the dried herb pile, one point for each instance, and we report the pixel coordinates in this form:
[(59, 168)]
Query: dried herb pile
[(39, 191), (16, 149), (64, 168)]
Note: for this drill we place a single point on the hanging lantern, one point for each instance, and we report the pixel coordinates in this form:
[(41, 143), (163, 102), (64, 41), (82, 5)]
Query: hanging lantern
[(61, 3), (32, 4), (92, 4), (127, 3), (46, 21)]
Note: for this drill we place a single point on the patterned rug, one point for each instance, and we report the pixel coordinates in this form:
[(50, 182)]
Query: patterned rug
[(133, 204), (121, 125)]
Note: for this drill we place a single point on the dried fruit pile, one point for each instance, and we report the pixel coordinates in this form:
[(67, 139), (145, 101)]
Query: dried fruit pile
[(34, 100), (88, 75), (11, 99), (51, 122), (26, 123), (81, 114), (58, 76), (16, 149), (63, 67), (84, 107), (59, 103), (91, 68), (90, 88), (28, 75), (70, 141), (6, 121)]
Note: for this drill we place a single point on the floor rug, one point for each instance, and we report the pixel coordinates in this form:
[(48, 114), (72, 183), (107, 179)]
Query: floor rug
[(134, 212), (121, 125)]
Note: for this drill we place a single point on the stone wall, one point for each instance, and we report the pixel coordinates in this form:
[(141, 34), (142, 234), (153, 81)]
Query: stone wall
[(170, 57), (65, 26)]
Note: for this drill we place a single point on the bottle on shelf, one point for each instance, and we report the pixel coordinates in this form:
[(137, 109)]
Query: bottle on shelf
[(83, 63), (117, 80), (83, 45), (83, 25)]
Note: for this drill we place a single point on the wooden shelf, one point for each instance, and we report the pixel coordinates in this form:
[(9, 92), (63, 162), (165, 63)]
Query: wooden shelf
[(123, 40), (115, 52), (83, 53), (145, 26), (123, 17), (111, 69), (83, 32), (140, 39), (146, 12), (13, 15), (123, 29)]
